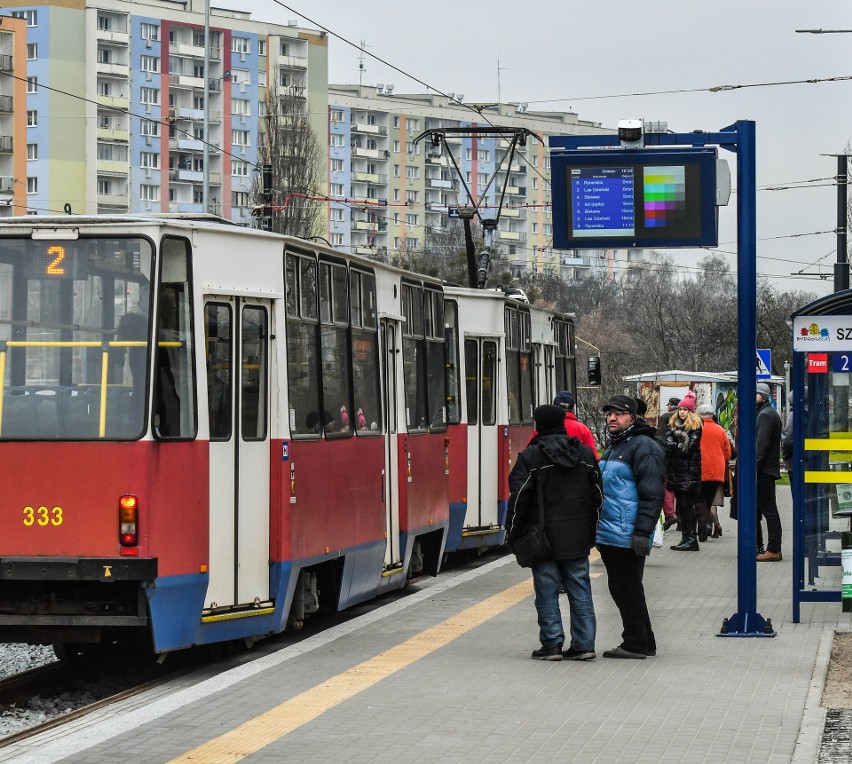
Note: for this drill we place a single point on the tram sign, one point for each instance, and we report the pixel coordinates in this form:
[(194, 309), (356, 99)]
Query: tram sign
[(634, 198), (821, 334)]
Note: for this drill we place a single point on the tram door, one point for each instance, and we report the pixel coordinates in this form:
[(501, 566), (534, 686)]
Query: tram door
[(237, 350), (391, 358), (480, 356)]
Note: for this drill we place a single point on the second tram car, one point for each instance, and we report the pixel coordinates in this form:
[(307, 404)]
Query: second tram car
[(208, 432)]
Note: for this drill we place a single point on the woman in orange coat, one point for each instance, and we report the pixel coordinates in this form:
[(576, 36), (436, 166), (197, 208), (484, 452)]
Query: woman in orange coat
[(715, 454)]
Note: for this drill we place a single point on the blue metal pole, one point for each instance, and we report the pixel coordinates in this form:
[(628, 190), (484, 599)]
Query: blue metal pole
[(797, 483), (746, 622)]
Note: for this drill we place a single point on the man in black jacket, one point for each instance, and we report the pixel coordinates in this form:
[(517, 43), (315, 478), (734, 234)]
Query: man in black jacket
[(566, 473), (768, 471)]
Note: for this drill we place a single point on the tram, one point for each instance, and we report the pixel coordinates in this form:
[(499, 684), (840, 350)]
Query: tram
[(209, 432)]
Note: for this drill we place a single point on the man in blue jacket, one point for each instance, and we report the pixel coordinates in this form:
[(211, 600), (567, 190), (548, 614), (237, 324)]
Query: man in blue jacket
[(633, 469)]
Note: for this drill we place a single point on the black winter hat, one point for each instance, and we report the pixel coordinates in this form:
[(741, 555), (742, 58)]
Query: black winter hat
[(549, 419), (641, 407)]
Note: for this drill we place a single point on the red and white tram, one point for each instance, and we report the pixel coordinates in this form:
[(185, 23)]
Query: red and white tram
[(208, 431)]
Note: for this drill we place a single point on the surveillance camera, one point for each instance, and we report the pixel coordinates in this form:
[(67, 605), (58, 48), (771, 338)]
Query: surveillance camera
[(630, 133)]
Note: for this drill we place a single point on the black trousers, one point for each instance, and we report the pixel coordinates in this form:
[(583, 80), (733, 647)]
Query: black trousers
[(624, 572), (688, 514), (767, 508)]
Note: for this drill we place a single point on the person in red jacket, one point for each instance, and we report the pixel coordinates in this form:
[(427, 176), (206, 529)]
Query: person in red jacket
[(715, 454), (573, 427)]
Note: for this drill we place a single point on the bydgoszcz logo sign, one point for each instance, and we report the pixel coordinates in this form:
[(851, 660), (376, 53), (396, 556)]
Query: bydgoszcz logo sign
[(822, 333)]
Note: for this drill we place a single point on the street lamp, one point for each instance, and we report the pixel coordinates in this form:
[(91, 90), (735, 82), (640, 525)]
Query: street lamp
[(841, 266)]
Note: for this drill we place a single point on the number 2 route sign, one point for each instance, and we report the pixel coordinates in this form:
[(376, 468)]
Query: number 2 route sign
[(764, 364)]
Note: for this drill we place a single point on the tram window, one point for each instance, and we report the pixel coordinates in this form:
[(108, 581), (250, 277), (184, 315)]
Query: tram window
[(174, 380), (365, 356), (253, 384), (306, 417), (513, 365), (489, 387), (525, 370), (436, 362), (471, 365), (334, 349), (56, 297), (308, 287), (217, 333), (291, 280), (451, 339), (414, 358)]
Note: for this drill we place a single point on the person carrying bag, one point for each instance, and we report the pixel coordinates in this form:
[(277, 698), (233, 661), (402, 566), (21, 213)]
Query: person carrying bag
[(555, 497)]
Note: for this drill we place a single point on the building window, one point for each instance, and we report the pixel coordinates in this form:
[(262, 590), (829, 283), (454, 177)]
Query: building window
[(336, 189), (104, 89), (241, 107), (150, 31), (32, 84), (104, 122), (239, 199), (240, 45), (149, 160), (483, 155), (150, 63), (32, 185), (335, 115), (338, 139), (240, 137), (468, 154), (411, 243), (32, 118), (396, 194), (337, 240), (32, 51), (239, 168), (396, 121), (411, 219), (337, 165), (413, 125), (412, 196), (112, 152), (396, 147), (32, 151), (150, 96), (30, 16), (261, 47), (104, 187), (104, 56), (396, 171), (104, 23), (148, 193), (412, 172), (150, 128), (482, 179)]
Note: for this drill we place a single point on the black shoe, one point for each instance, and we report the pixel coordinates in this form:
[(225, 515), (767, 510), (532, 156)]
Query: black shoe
[(547, 654), (760, 551), (578, 655), (687, 544), (651, 653), (620, 652)]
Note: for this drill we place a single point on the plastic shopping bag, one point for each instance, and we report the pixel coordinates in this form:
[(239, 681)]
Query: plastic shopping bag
[(659, 533)]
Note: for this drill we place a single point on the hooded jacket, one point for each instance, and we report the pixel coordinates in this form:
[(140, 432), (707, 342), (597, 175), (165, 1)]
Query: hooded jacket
[(769, 428), (633, 470), (571, 488)]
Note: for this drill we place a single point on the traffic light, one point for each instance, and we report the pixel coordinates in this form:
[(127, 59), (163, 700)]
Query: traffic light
[(594, 369)]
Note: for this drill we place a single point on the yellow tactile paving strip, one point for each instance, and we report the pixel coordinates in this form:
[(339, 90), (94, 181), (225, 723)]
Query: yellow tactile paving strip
[(250, 737)]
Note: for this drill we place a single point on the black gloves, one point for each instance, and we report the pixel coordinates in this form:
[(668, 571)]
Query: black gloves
[(641, 545)]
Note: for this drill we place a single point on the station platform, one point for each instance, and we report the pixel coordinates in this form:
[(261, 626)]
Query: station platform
[(444, 675)]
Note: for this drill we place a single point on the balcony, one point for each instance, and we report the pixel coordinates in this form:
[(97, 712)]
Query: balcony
[(113, 102), (357, 151), (188, 144), (186, 49), (7, 185), (186, 81), (115, 38), (512, 235), (437, 161), (364, 225), (360, 127), (105, 167), (438, 183), (293, 62), (6, 104), (113, 134), (369, 177), (113, 200), (113, 70), (510, 213)]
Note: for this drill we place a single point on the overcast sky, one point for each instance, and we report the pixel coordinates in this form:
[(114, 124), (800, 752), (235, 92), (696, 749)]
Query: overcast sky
[(586, 57)]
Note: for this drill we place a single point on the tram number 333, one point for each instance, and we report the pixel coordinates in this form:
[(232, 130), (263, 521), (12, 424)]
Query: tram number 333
[(42, 516)]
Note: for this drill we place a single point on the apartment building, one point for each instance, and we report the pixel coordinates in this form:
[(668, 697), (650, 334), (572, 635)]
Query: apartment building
[(127, 111), (14, 151), (391, 193)]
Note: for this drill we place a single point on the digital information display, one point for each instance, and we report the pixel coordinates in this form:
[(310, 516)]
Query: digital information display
[(634, 198), (58, 260)]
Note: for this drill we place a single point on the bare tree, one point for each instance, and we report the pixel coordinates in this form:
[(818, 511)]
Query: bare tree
[(290, 145)]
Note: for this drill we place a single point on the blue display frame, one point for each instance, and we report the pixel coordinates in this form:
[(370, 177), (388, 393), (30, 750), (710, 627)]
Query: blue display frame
[(591, 189)]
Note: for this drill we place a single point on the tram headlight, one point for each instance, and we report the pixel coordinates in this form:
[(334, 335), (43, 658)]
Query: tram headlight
[(128, 514)]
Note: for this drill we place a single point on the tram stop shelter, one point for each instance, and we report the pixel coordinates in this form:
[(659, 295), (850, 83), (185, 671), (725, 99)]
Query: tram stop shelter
[(821, 474)]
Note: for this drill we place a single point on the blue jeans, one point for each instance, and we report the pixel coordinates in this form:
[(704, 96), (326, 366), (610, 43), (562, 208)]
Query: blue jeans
[(549, 578)]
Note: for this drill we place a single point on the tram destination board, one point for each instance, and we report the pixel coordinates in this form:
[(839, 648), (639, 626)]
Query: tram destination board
[(646, 198)]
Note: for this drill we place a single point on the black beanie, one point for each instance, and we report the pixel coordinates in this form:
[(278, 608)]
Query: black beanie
[(549, 419)]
